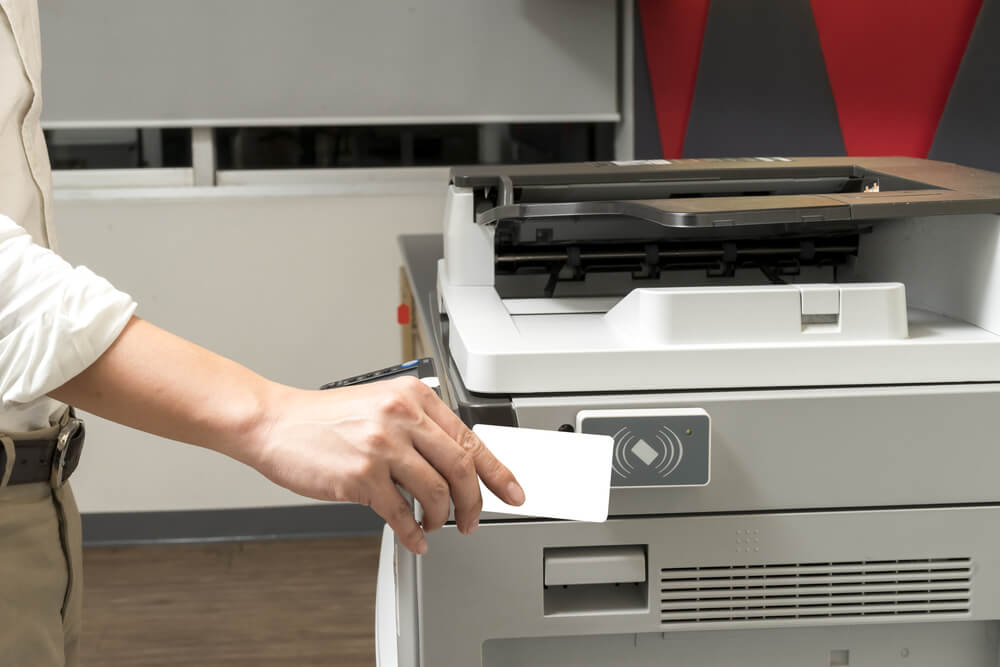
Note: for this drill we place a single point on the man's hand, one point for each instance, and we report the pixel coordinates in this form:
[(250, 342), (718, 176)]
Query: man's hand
[(355, 444), (358, 443)]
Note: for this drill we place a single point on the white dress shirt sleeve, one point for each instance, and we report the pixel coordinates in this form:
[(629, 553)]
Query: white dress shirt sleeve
[(55, 320)]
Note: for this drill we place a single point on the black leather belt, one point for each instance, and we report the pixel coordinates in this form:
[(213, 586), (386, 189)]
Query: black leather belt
[(46, 455)]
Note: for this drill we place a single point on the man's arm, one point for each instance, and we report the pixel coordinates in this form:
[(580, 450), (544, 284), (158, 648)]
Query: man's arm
[(353, 444)]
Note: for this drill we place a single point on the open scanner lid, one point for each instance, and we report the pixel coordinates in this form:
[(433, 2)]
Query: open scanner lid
[(720, 216), (698, 195), (567, 223)]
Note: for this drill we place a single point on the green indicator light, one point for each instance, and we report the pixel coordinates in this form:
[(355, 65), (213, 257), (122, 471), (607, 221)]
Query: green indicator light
[(688, 431)]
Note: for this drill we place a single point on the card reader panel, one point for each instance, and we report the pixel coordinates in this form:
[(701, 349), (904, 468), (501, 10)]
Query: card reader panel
[(654, 448)]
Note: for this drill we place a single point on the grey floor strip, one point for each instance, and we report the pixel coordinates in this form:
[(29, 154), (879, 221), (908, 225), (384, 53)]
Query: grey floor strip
[(330, 520)]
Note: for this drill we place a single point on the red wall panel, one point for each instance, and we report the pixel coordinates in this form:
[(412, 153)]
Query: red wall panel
[(891, 65), (673, 31)]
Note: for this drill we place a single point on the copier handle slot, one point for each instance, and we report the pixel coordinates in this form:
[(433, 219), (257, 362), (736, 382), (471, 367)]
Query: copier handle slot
[(571, 566), (595, 580)]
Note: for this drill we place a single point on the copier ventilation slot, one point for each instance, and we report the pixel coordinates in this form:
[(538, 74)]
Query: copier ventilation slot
[(842, 591)]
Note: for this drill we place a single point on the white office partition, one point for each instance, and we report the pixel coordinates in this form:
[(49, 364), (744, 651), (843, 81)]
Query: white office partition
[(161, 63), (298, 282)]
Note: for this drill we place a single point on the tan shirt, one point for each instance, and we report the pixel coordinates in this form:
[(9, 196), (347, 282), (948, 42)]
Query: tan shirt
[(55, 319), (25, 175)]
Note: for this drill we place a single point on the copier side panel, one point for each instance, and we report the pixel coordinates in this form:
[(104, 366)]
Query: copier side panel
[(483, 598), (815, 448), (949, 264)]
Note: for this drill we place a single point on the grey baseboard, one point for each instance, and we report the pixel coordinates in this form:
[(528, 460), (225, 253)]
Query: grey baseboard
[(258, 523)]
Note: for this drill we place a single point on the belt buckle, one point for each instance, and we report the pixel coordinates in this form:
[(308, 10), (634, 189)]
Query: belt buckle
[(63, 445)]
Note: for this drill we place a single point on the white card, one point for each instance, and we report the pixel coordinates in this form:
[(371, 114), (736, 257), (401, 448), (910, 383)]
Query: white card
[(564, 475)]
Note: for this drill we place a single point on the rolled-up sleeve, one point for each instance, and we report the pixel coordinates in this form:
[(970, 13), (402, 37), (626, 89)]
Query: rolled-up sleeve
[(55, 319)]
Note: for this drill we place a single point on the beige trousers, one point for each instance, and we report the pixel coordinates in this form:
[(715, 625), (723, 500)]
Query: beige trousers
[(41, 583)]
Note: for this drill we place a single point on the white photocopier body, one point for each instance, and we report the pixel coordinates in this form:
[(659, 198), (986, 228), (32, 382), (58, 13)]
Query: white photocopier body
[(802, 378)]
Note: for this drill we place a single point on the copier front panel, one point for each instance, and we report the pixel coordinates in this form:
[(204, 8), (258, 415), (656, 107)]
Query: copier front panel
[(796, 449), (888, 587), (845, 526)]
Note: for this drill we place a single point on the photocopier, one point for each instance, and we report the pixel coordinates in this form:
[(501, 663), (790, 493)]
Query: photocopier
[(799, 361)]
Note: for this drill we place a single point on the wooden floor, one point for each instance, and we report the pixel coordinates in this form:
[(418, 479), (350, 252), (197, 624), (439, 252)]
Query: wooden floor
[(304, 602)]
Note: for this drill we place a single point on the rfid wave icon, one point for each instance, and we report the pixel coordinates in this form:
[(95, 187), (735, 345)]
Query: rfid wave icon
[(663, 452)]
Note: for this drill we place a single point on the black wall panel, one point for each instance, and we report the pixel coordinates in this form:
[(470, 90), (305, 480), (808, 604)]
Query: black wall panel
[(647, 132), (969, 131), (762, 87)]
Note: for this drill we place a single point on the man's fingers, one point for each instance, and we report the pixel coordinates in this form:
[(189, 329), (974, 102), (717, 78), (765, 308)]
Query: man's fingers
[(494, 474), (417, 476), (389, 503), (458, 467)]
